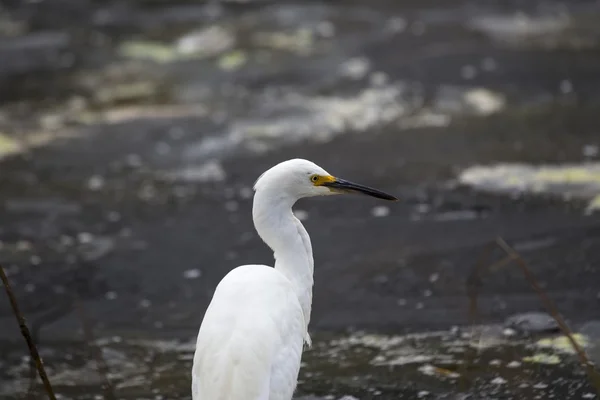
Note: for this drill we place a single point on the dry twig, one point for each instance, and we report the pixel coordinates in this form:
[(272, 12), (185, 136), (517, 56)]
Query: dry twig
[(25, 332), (593, 375)]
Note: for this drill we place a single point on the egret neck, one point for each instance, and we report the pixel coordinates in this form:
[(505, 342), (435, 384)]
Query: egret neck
[(286, 236)]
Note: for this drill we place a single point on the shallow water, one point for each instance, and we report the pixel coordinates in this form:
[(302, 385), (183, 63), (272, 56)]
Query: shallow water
[(131, 133), (481, 362)]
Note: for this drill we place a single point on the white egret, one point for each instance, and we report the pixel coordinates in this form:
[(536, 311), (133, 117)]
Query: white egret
[(250, 341)]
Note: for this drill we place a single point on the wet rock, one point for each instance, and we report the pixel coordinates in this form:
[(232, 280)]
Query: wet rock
[(532, 322)]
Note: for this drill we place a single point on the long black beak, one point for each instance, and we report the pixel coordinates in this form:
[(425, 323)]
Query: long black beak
[(345, 186)]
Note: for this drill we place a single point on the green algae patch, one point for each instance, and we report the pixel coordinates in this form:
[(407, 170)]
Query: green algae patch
[(148, 50), (300, 41), (233, 60), (123, 92), (577, 181), (164, 53), (8, 146), (202, 44), (594, 205), (562, 344), (555, 346), (543, 358), (570, 175)]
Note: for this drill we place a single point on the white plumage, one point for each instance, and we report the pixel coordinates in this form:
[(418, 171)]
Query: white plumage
[(250, 342)]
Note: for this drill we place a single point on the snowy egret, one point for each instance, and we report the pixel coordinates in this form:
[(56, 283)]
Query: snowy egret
[(250, 341)]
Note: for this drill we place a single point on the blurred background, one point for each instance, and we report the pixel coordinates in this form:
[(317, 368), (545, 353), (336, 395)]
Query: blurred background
[(131, 133)]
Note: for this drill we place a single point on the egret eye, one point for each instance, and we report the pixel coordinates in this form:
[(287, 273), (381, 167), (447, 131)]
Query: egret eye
[(314, 178)]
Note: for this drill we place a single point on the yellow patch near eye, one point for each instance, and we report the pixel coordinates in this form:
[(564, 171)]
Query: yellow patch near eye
[(319, 180)]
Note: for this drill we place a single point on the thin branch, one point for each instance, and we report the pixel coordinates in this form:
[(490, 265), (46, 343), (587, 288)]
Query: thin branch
[(25, 332), (36, 326), (551, 307)]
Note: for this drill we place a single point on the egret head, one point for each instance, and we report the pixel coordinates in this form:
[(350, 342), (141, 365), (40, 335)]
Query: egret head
[(300, 178)]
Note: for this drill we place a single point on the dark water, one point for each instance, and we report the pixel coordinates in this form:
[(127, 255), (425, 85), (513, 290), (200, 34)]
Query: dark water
[(131, 133)]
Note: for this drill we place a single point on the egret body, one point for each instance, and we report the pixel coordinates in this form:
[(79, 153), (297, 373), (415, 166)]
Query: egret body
[(251, 338)]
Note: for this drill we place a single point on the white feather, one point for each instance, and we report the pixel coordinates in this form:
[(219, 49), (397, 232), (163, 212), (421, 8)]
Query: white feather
[(250, 342)]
